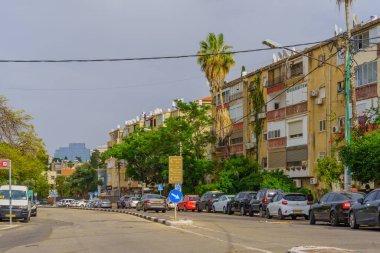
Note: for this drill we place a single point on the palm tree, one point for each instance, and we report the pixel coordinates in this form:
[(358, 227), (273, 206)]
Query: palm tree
[(347, 4), (216, 60)]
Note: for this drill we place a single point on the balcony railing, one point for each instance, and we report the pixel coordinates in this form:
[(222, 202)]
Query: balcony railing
[(296, 109), (276, 114), (277, 143), (367, 91), (276, 80)]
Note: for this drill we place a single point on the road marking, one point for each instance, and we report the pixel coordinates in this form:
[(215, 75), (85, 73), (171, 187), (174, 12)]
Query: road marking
[(277, 222), (220, 240)]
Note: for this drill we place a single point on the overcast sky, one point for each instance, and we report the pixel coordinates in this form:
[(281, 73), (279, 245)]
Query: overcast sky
[(82, 102)]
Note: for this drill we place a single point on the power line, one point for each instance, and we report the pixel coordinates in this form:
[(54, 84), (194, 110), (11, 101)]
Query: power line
[(153, 57)]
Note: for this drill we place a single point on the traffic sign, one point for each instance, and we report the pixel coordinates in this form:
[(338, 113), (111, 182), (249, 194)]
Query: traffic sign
[(175, 170), (175, 196), (96, 194), (178, 186), (52, 194), (160, 187), (91, 196), (4, 164)]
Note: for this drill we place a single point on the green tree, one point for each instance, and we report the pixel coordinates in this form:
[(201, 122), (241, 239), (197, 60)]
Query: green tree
[(70, 164), (84, 179), (277, 180), (329, 171), (257, 107), (216, 60), (363, 155), (63, 186)]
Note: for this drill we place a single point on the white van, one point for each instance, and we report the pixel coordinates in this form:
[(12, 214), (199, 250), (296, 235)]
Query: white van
[(21, 203)]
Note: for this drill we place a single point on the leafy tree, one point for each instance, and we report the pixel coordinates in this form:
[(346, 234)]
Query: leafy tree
[(277, 180), (329, 171), (63, 186), (78, 158), (84, 179), (95, 160), (363, 155), (70, 164), (216, 61), (257, 107)]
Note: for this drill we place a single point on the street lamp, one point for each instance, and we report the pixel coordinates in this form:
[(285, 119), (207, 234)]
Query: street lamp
[(272, 44)]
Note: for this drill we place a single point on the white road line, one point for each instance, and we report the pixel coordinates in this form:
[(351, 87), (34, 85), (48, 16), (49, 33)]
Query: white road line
[(220, 240)]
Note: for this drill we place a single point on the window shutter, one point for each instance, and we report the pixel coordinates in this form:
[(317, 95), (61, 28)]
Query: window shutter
[(295, 128)]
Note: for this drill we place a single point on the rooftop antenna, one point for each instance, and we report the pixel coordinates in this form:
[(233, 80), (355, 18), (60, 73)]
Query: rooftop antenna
[(279, 55), (274, 58), (336, 31), (355, 20)]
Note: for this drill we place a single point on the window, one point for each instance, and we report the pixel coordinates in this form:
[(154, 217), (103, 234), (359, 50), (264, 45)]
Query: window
[(340, 86), (322, 125), (276, 105), (322, 155), (265, 136), (366, 73), (341, 56), (371, 196), (237, 140), (295, 129), (341, 122), (296, 69), (325, 197), (274, 134), (361, 41), (236, 112), (264, 162)]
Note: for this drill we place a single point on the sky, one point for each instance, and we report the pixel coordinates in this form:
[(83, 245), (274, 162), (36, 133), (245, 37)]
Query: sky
[(82, 102)]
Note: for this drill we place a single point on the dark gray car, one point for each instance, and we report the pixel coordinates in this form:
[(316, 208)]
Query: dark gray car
[(259, 203), (366, 211)]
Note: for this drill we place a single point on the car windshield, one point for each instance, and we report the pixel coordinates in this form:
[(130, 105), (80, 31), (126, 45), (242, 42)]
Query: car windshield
[(106, 200), (295, 197), (153, 196), (194, 198), (217, 195), (16, 195), (135, 198), (271, 194)]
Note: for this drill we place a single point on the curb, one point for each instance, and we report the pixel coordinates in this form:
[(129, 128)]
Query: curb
[(146, 217)]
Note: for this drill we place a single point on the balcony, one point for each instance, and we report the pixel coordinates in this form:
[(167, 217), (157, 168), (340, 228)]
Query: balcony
[(367, 91), (276, 114), (298, 172), (235, 96), (277, 143), (276, 84), (296, 109)]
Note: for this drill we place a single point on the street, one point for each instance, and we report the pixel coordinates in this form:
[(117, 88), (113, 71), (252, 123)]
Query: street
[(72, 230)]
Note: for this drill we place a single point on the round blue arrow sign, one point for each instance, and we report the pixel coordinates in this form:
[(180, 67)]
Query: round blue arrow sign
[(175, 196)]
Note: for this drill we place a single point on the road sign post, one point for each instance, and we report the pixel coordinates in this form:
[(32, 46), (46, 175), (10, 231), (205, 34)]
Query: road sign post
[(7, 164), (175, 196), (175, 170)]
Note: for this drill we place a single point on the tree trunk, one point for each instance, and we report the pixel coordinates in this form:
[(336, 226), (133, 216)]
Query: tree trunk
[(352, 73)]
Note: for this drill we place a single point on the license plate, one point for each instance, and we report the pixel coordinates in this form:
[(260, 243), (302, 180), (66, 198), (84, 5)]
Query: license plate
[(297, 211), (13, 215)]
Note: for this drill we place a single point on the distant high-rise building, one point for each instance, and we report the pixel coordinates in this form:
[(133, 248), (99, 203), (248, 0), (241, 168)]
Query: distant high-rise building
[(73, 152)]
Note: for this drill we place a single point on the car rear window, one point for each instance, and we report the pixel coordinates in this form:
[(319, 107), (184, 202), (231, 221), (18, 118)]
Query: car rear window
[(217, 195), (353, 196), (194, 198), (135, 198), (295, 197), (153, 196), (106, 200)]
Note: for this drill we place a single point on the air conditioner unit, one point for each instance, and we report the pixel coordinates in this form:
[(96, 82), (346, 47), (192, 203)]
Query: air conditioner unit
[(298, 183), (249, 145), (319, 101), (313, 180), (313, 93), (335, 129), (262, 115)]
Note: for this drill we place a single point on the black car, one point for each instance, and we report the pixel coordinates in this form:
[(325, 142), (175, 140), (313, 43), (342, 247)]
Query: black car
[(33, 210), (259, 203), (122, 201), (240, 203), (366, 211), (205, 202), (334, 207)]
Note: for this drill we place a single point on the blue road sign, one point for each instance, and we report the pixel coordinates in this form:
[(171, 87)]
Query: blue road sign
[(178, 186), (91, 196), (160, 187), (175, 196), (52, 195), (96, 194)]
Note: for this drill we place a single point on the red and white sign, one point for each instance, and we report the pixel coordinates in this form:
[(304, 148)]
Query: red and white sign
[(4, 164)]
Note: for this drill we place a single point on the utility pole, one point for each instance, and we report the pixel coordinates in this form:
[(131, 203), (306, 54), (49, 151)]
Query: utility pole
[(347, 171), (118, 167)]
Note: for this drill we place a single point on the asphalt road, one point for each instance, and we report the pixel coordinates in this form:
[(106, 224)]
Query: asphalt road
[(72, 230)]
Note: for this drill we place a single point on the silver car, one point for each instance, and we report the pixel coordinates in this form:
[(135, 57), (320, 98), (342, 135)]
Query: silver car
[(132, 202), (105, 203)]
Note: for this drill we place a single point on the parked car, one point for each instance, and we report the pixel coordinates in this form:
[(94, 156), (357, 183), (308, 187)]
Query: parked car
[(366, 211), (205, 202), (188, 202), (169, 204), (73, 203), (259, 203), (220, 205), (152, 202), (121, 202), (90, 203), (96, 203), (105, 203), (334, 207), (240, 203), (288, 205), (132, 202), (64, 202)]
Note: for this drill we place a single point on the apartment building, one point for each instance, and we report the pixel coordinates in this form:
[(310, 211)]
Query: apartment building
[(305, 109)]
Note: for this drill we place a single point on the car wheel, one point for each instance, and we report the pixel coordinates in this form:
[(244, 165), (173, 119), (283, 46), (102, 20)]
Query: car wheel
[(208, 209), (224, 210), (198, 208), (306, 217), (184, 208), (164, 211), (280, 216), (353, 224), (229, 211), (156, 211), (250, 212), (334, 221), (267, 214), (213, 209), (262, 213), (312, 218), (242, 211), (144, 208), (294, 217)]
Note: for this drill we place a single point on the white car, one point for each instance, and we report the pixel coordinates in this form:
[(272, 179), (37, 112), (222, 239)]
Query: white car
[(288, 205), (132, 202), (221, 204)]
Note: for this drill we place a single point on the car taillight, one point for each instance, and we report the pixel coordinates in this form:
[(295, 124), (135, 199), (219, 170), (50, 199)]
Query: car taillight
[(284, 202), (147, 201), (265, 200), (346, 205)]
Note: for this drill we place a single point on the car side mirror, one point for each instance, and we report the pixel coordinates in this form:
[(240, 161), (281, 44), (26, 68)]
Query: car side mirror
[(361, 201)]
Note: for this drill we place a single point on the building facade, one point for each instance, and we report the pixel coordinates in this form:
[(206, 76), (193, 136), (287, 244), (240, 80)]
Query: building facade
[(73, 151)]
